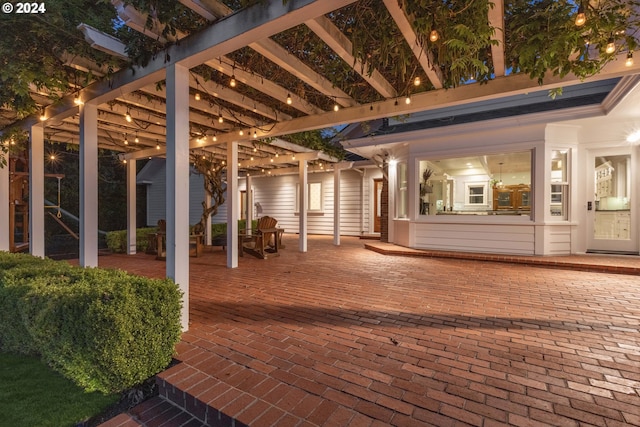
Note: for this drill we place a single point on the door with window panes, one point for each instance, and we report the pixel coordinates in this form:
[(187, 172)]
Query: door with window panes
[(611, 217)]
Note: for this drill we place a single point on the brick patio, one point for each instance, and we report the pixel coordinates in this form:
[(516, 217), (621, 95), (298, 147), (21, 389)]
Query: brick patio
[(345, 336)]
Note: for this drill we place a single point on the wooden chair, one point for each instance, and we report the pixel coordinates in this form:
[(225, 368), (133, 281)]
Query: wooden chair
[(263, 242)]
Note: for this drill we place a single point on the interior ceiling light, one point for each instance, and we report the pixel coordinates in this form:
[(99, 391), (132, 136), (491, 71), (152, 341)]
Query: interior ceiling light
[(611, 46), (634, 137), (581, 18), (629, 61)]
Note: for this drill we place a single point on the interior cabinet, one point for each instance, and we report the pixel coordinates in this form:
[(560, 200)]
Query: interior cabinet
[(512, 198)]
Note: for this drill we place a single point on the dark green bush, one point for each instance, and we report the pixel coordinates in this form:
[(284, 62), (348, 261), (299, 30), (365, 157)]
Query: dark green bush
[(117, 240), (106, 330)]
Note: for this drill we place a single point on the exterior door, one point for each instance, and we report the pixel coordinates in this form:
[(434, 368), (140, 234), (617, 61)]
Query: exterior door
[(611, 216), (377, 207)]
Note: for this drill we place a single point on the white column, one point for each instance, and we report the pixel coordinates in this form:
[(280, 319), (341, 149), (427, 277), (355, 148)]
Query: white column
[(249, 206), (131, 207), (88, 185), (392, 173), (36, 191), (232, 206), (336, 206), (303, 202), (4, 205), (208, 238), (177, 184)]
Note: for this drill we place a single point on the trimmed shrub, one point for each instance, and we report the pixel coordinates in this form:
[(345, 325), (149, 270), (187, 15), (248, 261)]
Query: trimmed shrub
[(117, 240), (106, 330)]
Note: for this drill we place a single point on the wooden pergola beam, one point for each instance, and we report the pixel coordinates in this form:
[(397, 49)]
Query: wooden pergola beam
[(496, 20), (424, 56)]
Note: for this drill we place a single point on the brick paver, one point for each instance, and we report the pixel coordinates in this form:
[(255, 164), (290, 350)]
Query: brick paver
[(348, 336)]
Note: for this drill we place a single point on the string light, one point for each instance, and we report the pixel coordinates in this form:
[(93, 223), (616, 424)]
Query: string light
[(289, 100), (157, 146), (223, 162), (581, 18), (128, 117), (43, 116), (197, 96), (416, 81), (611, 46), (255, 135), (407, 100), (277, 155), (77, 100), (215, 138), (52, 156), (629, 61), (126, 141), (434, 36), (220, 119), (232, 82), (241, 132), (136, 140), (336, 107)]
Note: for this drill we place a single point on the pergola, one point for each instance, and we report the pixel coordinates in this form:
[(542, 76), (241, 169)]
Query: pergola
[(188, 112)]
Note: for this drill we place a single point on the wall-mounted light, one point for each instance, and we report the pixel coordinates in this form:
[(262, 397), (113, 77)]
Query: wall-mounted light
[(633, 137)]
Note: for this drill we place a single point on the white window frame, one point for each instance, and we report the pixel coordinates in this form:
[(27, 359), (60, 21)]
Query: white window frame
[(310, 186), (468, 195)]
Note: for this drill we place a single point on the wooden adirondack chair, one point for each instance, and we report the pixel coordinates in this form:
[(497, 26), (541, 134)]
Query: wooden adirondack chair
[(263, 242)]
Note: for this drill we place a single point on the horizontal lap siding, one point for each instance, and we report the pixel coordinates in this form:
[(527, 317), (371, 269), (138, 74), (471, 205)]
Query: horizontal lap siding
[(488, 238), (558, 240), (278, 199)]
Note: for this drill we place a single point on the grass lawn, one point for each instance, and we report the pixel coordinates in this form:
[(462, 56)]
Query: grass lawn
[(32, 395)]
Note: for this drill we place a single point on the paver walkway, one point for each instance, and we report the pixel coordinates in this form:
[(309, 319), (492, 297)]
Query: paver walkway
[(344, 336)]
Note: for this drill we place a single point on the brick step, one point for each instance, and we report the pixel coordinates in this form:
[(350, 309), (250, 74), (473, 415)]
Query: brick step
[(156, 412)]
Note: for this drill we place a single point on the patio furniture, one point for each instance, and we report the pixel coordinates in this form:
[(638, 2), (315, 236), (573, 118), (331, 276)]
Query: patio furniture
[(264, 241), (196, 241)]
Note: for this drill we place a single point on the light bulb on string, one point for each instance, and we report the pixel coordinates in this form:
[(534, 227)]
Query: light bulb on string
[(197, 96), (289, 100), (241, 132), (77, 100), (581, 18), (157, 146), (611, 46), (136, 139), (43, 116), (417, 81), (434, 36), (128, 117), (126, 141), (336, 107), (215, 138), (232, 82), (407, 100), (255, 135), (629, 61), (220, 118)]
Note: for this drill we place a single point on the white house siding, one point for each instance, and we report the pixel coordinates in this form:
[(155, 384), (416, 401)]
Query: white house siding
[(277, 197), (156, 197), (486, 238)]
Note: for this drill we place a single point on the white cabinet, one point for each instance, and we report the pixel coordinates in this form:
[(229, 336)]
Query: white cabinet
[(613, 225)]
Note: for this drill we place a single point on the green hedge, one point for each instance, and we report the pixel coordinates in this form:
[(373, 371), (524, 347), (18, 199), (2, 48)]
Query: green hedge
[(106, 330), (117, 240)]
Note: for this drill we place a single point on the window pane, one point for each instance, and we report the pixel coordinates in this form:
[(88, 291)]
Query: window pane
[(472, 184), (315, 196)]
